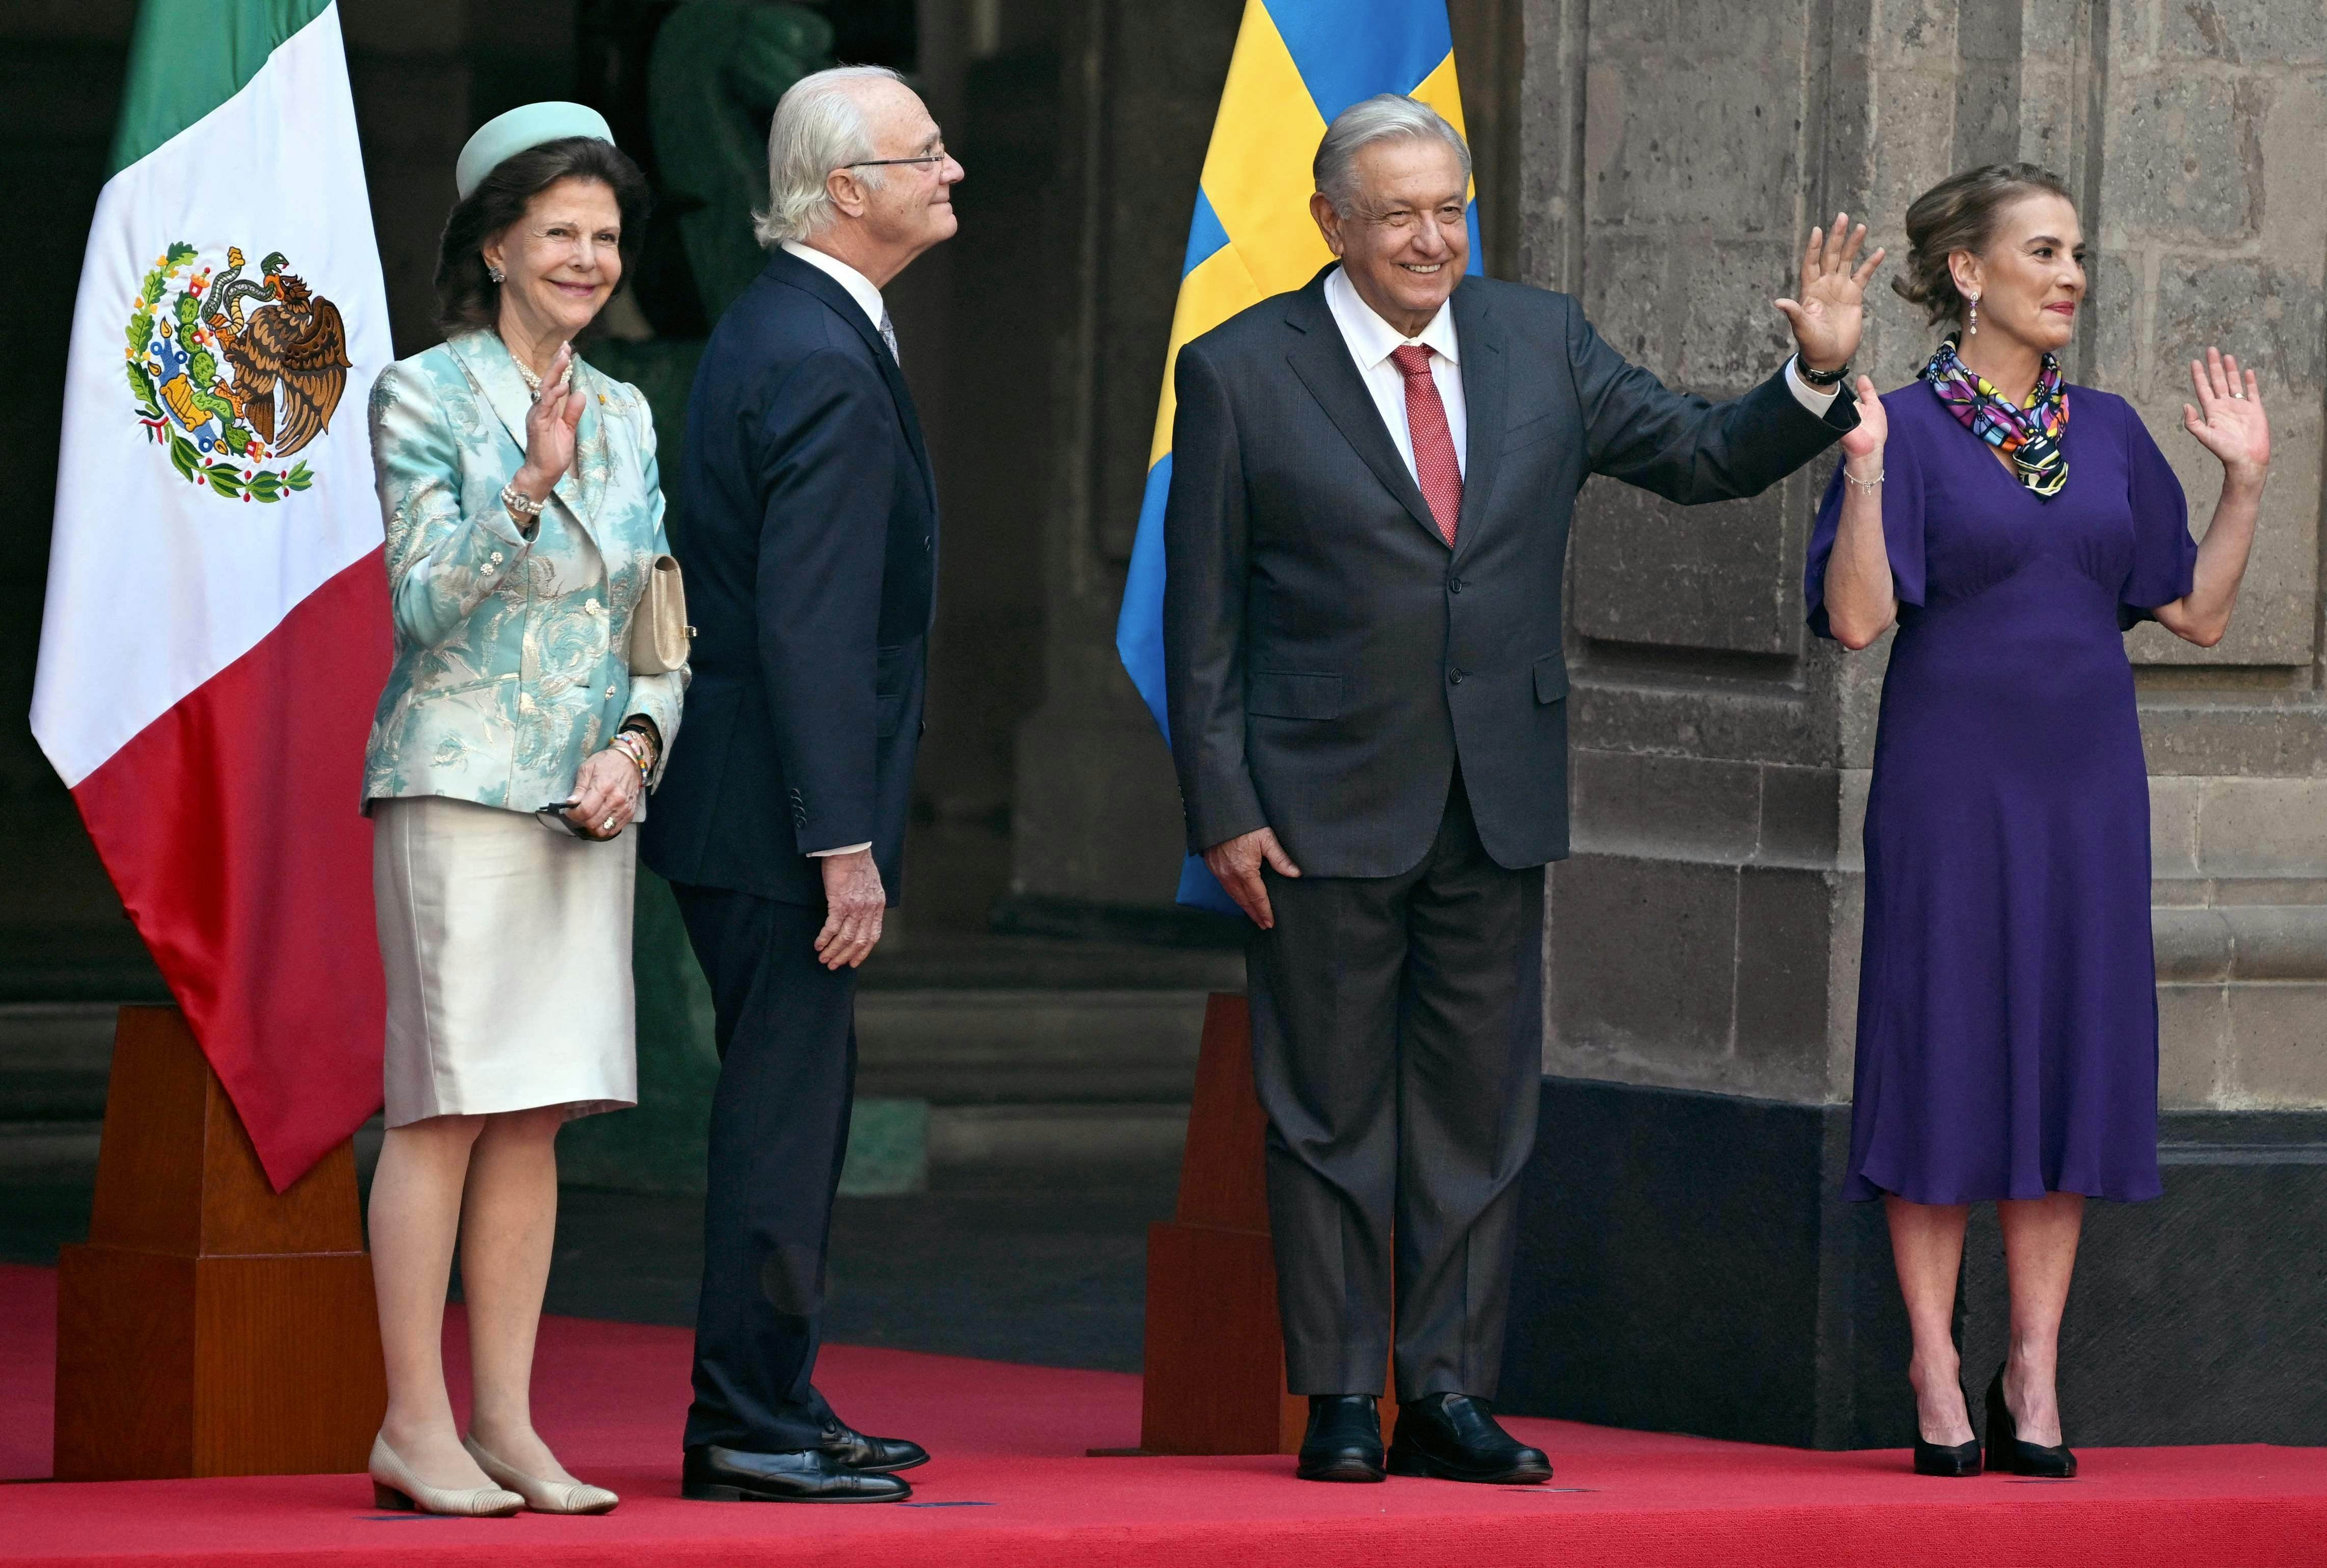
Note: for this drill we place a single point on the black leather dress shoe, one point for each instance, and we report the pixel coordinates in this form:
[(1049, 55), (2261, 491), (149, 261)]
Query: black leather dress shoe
[(1343, 1442), (844, 1444), (1454, 1437), (713, 1474)]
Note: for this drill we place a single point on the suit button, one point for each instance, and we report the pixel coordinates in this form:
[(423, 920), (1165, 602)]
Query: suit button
[(1454, 676), (1454, 585)]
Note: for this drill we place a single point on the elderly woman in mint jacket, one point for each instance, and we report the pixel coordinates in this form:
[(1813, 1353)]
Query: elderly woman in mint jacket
[(513, 747)]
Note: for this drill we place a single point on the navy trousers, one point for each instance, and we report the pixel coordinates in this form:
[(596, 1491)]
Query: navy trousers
[(786, 1038)]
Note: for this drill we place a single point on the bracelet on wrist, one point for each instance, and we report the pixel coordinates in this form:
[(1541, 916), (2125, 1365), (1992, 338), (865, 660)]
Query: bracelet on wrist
[(517, 501), (636, 748), (1869, 485), (631, 744), (1821, 379)]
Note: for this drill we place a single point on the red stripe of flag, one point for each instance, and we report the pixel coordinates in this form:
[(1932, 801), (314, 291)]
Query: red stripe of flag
[(230, 825)]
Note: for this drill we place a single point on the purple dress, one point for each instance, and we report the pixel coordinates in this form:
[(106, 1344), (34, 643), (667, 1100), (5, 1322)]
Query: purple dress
[(2007, 999)]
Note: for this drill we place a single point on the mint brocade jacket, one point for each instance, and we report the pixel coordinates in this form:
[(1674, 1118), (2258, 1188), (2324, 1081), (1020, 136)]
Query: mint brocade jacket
[(511, 656)]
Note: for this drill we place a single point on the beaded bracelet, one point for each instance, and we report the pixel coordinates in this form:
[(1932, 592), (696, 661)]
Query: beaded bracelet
[(1868, 485), (630, 743)]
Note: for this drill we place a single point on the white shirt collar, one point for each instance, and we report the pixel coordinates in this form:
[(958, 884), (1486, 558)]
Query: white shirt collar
[(860, 287), (1371, 338)]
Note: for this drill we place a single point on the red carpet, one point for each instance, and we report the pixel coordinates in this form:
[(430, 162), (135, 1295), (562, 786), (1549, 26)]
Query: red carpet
[(1010, 1488)]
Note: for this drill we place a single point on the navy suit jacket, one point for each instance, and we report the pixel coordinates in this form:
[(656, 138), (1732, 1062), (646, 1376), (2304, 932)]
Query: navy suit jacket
[(1330, 662), (808, 541)]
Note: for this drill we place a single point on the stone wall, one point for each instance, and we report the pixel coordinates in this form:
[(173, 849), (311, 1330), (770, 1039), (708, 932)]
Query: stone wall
[(1705, 934)]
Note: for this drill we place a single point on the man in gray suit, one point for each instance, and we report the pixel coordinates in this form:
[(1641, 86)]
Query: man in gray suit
[(1372, 481)]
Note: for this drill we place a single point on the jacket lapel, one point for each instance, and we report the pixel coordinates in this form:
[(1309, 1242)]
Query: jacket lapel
[(493, 370), (789, 268), (1486, 371), (1321, 358)]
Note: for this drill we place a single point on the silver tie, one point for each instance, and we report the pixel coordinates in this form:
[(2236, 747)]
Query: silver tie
[(889, 336)]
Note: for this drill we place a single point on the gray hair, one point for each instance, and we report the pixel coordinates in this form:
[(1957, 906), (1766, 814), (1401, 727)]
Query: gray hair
[(818, 126), (1385, 117)]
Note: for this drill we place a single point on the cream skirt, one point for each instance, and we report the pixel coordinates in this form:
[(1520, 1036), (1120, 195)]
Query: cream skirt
[(508, 951)]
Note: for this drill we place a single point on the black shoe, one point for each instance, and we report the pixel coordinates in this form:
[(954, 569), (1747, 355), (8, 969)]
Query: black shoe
[(1941, 1459), (2007, 1454), (713, 1474), (845, 1445), (1454, 1437), (1945, 1459), (1343, 1442)]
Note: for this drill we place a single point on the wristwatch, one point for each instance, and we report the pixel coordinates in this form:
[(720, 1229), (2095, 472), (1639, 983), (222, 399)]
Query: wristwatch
[(1819, 377)]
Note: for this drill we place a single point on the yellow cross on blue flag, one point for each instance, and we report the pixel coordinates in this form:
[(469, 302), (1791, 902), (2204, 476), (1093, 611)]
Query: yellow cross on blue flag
[(1297, 64)]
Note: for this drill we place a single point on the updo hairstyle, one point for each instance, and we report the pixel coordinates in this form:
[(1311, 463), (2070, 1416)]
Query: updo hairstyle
[(467, 298), (1961, 213)]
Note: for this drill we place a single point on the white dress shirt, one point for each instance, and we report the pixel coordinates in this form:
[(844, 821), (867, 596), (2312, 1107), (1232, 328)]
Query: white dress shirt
[(868, 299), (860, 287), (1370, 340)]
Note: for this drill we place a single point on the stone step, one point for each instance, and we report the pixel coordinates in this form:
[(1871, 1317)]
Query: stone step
[(951, 1046), (53, 1060), (1037, 1135), (1033, 1076), (78, 962), (952, 962), (48, 1151), (1005, 1047)]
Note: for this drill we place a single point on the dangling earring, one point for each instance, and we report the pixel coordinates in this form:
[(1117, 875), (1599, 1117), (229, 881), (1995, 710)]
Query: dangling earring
[(1975, 312), (497, 275)]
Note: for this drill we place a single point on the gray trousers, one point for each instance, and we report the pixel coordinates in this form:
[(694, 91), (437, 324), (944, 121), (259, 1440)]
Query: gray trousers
[(1397, 1046)]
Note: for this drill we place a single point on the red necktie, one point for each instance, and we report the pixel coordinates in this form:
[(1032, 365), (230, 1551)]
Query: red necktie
[(1434, 443)]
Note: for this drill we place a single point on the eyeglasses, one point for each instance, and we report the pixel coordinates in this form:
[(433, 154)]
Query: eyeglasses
[(925, 161)]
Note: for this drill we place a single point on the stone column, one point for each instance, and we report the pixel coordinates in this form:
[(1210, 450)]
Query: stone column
[(1095, 812), (1687, 1262)]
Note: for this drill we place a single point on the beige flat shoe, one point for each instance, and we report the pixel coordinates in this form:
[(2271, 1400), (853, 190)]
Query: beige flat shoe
[(394, 1486), (542, 1497)]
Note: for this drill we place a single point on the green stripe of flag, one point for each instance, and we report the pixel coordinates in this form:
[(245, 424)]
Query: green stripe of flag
[(187, 56)]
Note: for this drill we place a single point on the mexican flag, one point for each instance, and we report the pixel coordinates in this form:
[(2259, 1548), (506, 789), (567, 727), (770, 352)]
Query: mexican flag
[(217, 626)]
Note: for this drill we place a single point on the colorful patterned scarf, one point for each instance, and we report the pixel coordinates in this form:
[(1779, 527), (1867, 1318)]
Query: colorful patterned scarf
[(2030, 435)]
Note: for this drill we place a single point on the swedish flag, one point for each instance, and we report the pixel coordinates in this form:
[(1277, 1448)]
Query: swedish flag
[(1297, 64)]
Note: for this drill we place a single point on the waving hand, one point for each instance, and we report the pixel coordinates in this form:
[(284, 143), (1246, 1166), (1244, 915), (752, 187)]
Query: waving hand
[(1829, 311)]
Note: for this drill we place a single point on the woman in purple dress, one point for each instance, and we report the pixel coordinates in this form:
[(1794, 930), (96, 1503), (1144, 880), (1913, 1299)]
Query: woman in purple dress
[(2007, 1011)]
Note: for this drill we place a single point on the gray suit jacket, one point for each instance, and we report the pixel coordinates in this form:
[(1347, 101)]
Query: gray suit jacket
[(1329, 660)]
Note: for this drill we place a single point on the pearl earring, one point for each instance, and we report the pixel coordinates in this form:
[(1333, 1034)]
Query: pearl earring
[(1975, 313), (497, 275)]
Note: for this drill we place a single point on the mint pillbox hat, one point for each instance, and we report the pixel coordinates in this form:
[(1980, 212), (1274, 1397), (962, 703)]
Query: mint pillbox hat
[(504, 137)]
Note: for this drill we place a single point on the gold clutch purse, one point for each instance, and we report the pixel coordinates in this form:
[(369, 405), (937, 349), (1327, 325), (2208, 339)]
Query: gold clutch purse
[(658, 630)]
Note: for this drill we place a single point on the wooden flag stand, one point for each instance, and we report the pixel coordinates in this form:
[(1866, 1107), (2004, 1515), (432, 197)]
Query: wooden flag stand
[(212, 1326), (1215, 1355)]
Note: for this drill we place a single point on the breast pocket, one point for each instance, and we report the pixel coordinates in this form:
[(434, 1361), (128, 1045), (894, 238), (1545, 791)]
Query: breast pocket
[(1277, 694), (1529, 431)]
